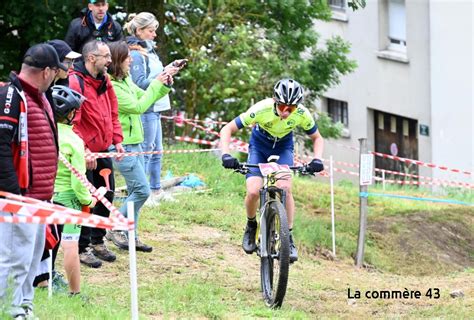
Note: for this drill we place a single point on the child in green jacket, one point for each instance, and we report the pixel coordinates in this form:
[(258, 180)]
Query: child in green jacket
[(68, 190)]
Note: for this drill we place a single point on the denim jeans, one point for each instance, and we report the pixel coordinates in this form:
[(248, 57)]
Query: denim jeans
[(21, 247), (153, 142), (133, 170)]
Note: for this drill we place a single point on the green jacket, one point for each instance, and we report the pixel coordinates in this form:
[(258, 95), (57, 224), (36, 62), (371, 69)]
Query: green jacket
[(72, 148), (132, 102)]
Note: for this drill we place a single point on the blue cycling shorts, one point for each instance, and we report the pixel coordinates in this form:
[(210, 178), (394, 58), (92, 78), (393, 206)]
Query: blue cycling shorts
[(259, 154)]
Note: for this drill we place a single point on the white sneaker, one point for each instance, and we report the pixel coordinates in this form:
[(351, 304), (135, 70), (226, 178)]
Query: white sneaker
[(151, 202)]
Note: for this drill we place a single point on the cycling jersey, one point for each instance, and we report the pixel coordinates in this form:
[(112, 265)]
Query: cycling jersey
[(273, 135), (263, 113), (271, 128)]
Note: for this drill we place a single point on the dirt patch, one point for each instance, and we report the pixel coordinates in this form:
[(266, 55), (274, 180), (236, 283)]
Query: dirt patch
[(426, 243), (316, 286)]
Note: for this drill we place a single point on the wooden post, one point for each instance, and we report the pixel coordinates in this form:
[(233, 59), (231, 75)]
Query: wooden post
[(362, 209)]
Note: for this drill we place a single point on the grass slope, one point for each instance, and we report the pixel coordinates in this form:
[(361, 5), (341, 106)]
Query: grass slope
[(198, 270)]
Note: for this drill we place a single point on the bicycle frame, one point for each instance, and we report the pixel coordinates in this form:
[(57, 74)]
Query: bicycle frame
[(268, 193), (273, 243)]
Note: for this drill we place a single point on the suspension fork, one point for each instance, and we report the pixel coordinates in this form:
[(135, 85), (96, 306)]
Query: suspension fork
[(264, 203), (263, 223)]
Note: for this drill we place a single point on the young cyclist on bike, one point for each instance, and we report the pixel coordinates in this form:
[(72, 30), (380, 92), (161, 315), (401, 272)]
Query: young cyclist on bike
[(274, 121)]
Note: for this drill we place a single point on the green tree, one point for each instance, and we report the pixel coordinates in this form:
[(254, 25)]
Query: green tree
[(24, 23), (238, 49)]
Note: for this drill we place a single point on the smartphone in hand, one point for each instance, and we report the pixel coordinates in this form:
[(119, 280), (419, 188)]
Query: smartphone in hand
[(180, 63)]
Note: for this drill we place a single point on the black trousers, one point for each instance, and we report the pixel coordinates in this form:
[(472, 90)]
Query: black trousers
[(57, 231), (96, 235)]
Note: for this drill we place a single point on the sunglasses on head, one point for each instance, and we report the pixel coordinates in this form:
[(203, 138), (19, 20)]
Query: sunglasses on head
[(284, 107)]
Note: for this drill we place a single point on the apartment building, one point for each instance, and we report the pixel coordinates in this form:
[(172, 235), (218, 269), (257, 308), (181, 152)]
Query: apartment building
[(412, 93)]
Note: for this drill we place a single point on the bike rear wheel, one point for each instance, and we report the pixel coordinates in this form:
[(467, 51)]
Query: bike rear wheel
[(275, 267)]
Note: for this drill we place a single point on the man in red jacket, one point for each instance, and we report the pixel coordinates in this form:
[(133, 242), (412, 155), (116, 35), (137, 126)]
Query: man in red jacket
[(28, 164), (98, 125)]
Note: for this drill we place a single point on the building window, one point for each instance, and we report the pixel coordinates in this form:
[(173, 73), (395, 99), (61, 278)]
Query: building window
[(393, 124), (397, 25), (338, 111), (337, 4), (406, 128), (338, 8), (381, 121)]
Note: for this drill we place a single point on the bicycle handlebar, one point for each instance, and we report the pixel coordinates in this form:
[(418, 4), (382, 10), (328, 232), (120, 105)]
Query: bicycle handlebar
[(244, 168)]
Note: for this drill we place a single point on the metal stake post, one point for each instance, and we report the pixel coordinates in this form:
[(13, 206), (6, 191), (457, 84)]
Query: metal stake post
[(133, 261), (331, 172), (383, 179), (362, 209)]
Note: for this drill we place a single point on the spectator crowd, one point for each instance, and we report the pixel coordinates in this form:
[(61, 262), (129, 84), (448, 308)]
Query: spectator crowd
[(100, 91), (94, 91)]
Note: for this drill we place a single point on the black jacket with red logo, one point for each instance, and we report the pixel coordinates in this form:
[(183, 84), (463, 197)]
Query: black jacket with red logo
[(9, 114)]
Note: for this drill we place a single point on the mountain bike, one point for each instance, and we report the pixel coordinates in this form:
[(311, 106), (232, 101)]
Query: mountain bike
[(273, 235)]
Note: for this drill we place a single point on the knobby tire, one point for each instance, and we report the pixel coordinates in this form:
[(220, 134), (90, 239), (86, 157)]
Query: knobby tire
[(273, 271)]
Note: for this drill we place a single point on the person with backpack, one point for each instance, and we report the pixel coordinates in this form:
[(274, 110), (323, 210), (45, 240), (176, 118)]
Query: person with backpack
[(97, 124), (95, 23), (28, 164)]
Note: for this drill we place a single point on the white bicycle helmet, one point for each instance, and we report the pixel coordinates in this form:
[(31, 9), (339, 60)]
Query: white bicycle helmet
[(288, 91)]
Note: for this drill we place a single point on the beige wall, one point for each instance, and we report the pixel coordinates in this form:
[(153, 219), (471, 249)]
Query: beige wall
[(452, 86), (403, 88)]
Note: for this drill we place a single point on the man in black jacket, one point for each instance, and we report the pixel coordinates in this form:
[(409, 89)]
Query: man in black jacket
[(94, 23)]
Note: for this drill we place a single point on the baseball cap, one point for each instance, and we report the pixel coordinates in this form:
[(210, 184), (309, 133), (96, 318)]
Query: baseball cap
[(41, 56), (63, 50)]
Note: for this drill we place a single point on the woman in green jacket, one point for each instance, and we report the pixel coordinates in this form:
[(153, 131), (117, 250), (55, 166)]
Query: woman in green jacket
[(132, 102)]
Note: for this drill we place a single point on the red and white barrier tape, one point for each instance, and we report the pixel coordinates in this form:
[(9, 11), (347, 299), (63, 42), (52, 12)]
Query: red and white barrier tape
[(346, 171), (211, 131), (419, 163), (433, 180), (406, 160), (198, 141), (38, 203), (178, 119), (402, 182), (28, 212), (419, 183), (115, 214), (96, 155), (301, 161), (239, 147)]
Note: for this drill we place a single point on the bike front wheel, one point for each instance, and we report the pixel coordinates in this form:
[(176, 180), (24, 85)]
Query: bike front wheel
[(274, 267)]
